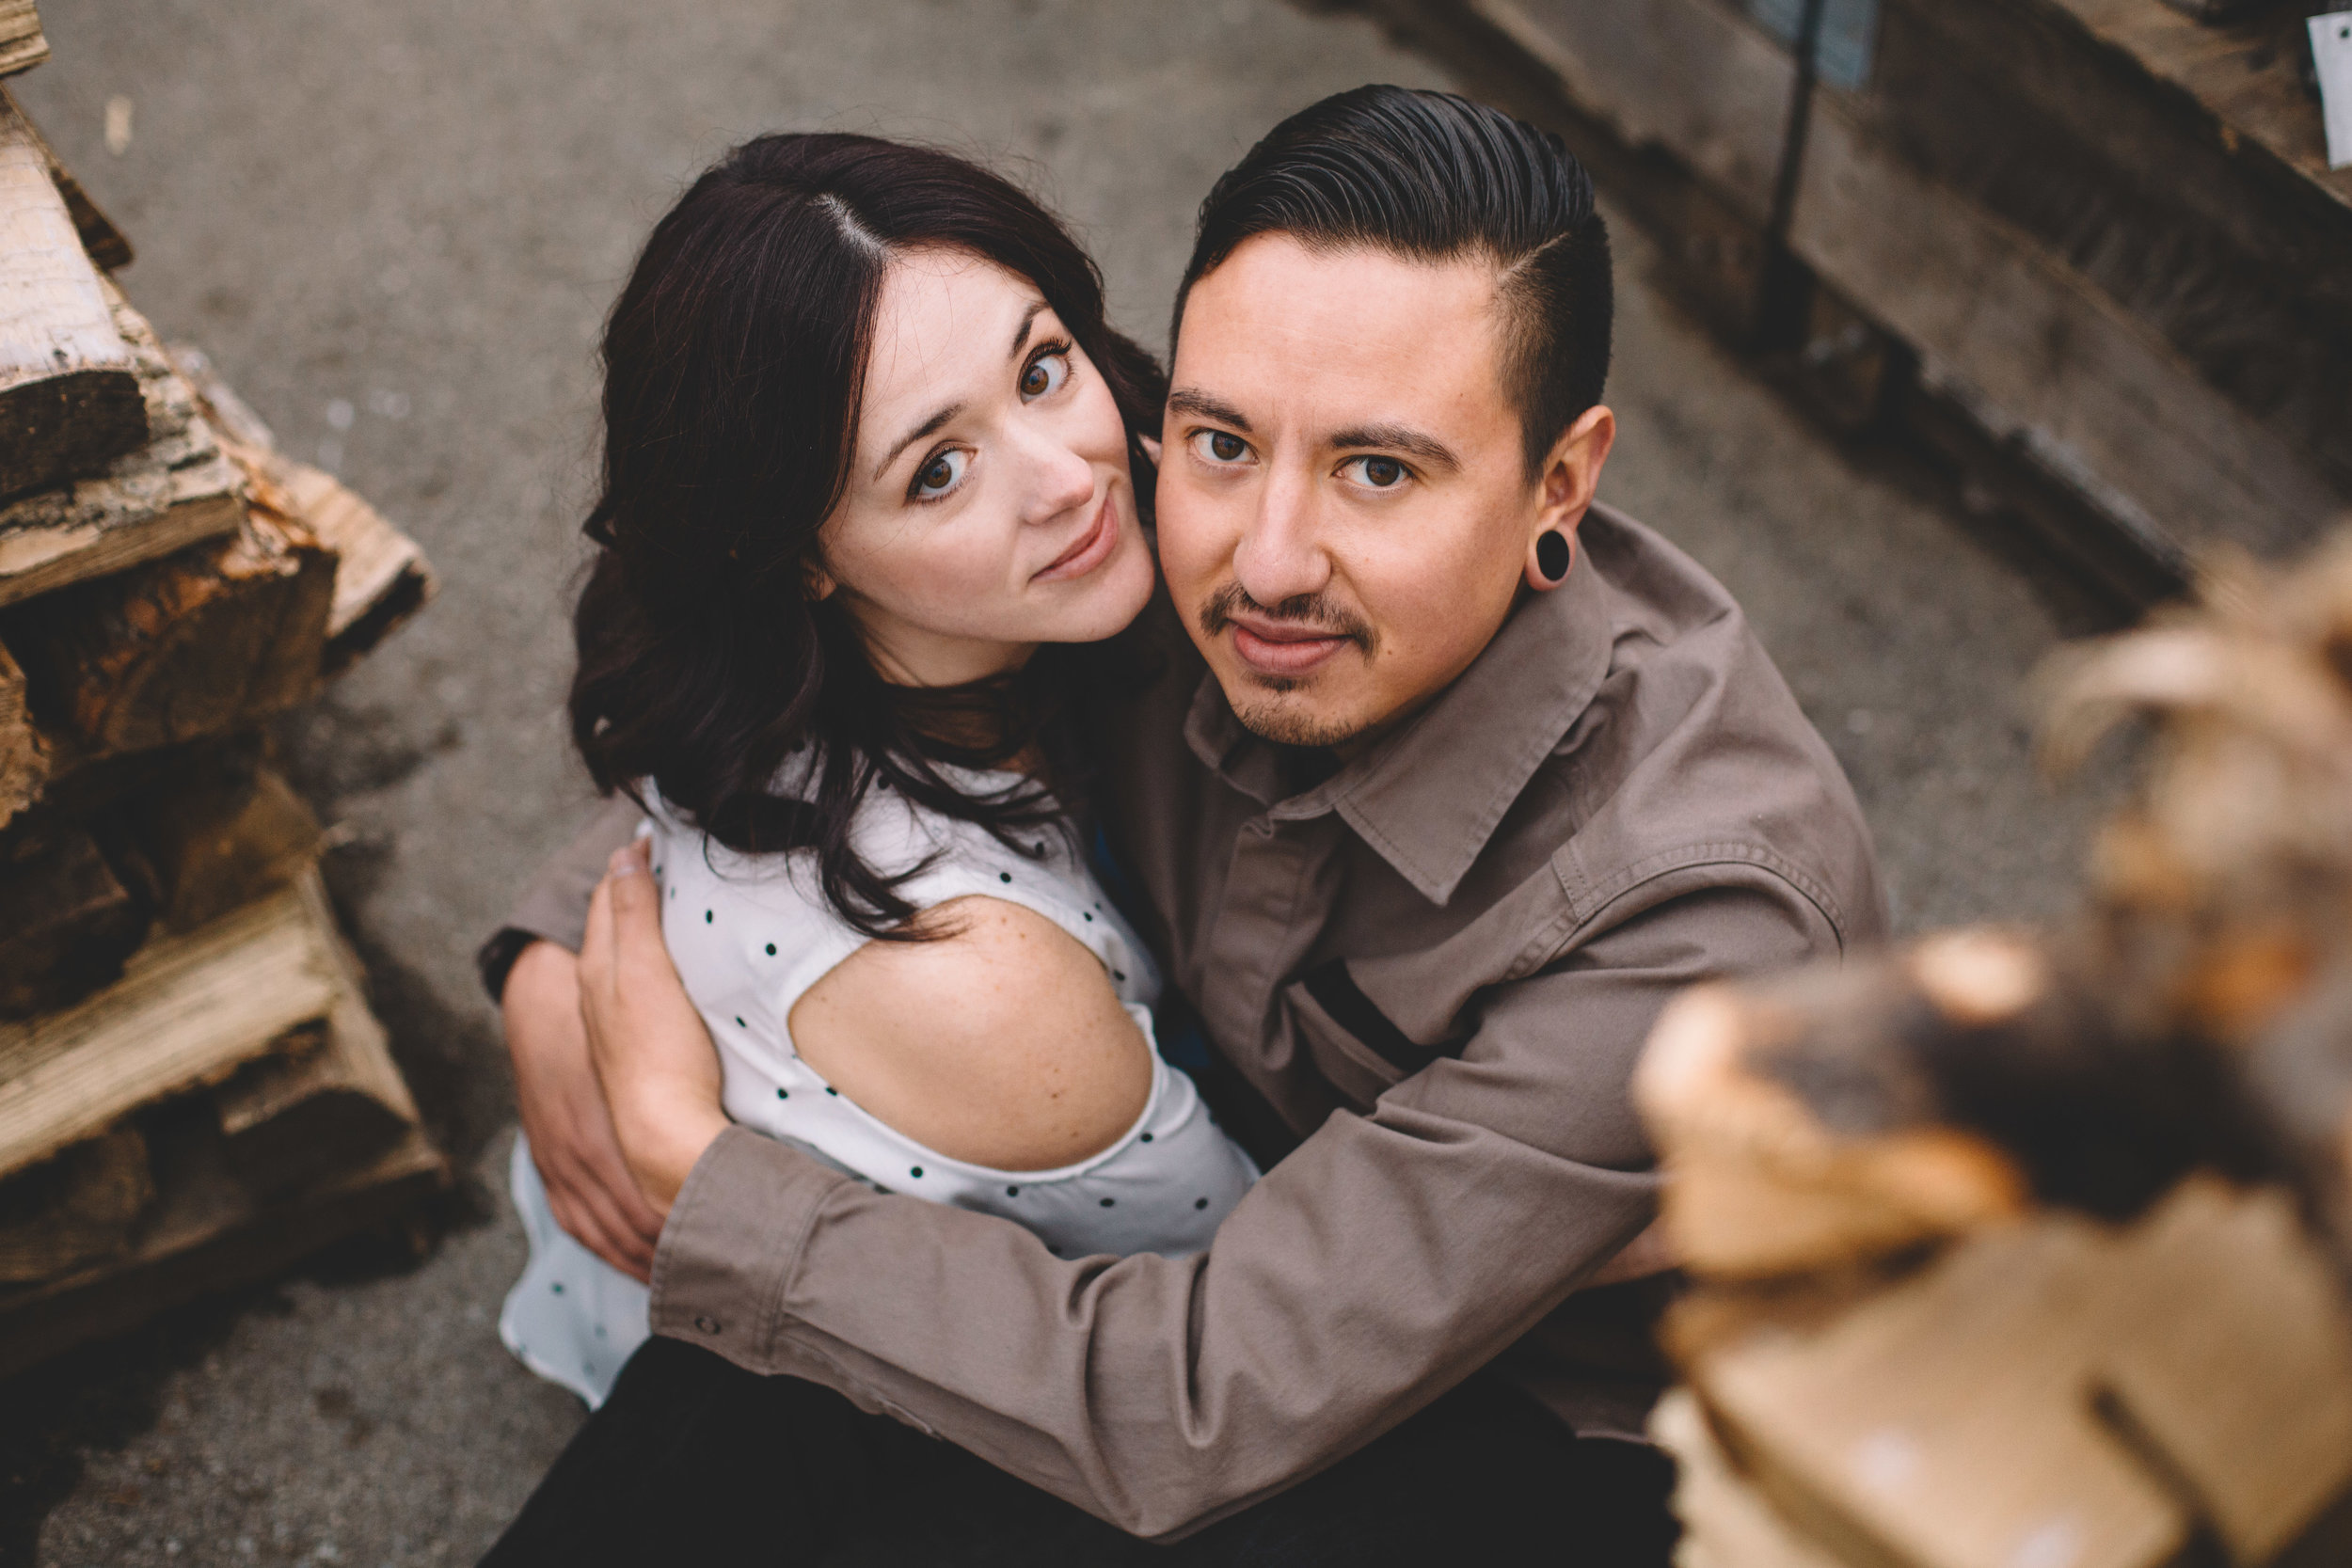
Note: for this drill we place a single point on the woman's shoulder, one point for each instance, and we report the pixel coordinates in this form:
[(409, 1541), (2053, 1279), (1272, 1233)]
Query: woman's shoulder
[(1000, 1041)]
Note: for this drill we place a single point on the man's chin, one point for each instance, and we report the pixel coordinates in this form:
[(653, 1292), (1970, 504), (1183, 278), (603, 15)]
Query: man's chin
[(1278, 714)]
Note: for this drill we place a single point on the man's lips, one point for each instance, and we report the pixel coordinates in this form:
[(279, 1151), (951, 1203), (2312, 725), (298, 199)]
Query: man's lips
[(1284, 648), (1090, 550)]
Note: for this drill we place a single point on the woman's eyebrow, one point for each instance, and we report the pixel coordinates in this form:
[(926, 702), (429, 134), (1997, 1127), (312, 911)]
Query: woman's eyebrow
[(1021, 338), (1396, 438), (927, 427)]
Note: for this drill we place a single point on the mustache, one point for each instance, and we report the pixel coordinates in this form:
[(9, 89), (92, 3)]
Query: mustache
[(1316, 610)]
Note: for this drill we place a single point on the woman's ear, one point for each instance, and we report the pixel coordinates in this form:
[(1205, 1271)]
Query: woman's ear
[(816, 585)]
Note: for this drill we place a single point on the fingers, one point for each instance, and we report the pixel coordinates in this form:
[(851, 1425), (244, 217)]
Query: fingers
[(576, 1212)]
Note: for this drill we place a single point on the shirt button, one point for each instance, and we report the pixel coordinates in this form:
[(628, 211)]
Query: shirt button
[(708, 1325)]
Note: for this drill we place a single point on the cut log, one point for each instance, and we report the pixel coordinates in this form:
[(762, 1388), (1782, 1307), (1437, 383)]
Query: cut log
[(293, 1116), (67, 919), (1726, 1522), (381, 577), (1946, 1423), (2061, 1391), (208, 1233), (188, 1010), (82, 1206), (70, 394), (108, 246), (207, 640), (24, 758), (177, 489), (226, 834), (22, 45)]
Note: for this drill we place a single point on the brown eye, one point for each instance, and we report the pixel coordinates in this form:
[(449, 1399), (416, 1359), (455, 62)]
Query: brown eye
[(940, 474), (1045, 374), (1225, 447)]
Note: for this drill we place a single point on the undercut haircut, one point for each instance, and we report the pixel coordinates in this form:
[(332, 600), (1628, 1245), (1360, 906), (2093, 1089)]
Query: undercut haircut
[(1433, 176)]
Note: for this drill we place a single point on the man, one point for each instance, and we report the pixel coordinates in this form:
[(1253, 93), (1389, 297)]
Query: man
[(1457, 778)]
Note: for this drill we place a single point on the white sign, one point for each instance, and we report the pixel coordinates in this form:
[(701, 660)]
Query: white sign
[(2331, 52)]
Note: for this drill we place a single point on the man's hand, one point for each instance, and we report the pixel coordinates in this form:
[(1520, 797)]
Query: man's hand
[(590, 1190), (660, 1071)]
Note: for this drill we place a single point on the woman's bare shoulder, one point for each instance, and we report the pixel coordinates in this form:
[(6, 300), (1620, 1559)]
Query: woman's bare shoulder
[(1000, 1043)]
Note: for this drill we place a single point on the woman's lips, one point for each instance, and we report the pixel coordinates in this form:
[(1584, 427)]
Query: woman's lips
[(1282, 650), (1090, 550)]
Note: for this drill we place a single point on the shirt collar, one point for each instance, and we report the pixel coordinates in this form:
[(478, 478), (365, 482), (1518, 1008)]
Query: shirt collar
[(1428, 797)]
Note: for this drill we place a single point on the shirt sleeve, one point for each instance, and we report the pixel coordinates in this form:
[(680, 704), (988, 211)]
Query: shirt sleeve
[(1384, 1260), (554, 907)]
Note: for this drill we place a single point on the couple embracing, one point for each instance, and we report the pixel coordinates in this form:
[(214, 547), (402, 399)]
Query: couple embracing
[(1102, 1007)]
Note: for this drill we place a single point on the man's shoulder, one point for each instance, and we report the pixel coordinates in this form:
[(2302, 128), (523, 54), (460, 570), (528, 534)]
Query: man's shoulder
[(1694, 753)]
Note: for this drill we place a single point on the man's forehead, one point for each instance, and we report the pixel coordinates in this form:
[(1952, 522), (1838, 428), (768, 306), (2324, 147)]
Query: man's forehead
[(1330, 329)]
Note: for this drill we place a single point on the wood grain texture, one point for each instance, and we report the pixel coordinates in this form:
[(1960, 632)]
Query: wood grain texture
[(381, 578), (69, 917), (70, 394), (82, 1205), (209, 1232), (222, 835), (293, 1118), (176, 490), (2037, 353), (22, 45), (188, 1010), (108, 246), (24, 755), (210, 639)]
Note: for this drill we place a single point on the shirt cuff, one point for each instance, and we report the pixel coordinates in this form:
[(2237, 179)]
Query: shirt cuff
[(733, 1239)]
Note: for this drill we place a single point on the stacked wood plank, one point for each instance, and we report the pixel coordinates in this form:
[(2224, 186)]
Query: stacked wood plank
[(193, 1090), (2088, 250), (2036, 1248)]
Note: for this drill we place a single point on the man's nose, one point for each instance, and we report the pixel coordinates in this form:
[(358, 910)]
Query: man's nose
[(1279, 556)]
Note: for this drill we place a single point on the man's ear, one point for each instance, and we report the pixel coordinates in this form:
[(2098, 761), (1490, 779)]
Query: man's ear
[(1571, 476)]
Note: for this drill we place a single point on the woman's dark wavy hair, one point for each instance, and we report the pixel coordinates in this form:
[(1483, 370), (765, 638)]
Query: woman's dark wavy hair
[(734, 366)]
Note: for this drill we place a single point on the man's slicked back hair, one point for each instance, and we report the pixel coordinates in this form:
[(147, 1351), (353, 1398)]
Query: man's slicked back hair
[(1431, 176)]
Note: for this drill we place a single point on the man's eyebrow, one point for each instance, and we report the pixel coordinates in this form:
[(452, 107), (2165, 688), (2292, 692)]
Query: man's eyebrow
[(1185, 400), (1397, 437), (1021, 338), (927, 427)]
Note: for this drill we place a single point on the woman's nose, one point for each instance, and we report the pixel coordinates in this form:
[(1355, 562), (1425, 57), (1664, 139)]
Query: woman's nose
[(1062, 481)]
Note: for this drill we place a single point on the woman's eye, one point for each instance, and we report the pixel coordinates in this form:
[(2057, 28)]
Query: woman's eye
[(1377, 473), (1046, 374), (1221, 446), (941, 474)]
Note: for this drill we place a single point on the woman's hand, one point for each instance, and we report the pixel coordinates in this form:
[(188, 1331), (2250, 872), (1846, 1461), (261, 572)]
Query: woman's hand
[(590, 1190), (660, 1071)]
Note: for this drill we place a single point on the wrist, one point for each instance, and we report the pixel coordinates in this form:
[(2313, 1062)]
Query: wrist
[(664, 1144)]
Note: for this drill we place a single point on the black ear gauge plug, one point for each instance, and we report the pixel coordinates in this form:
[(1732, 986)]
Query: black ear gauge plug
[(1552, 554)]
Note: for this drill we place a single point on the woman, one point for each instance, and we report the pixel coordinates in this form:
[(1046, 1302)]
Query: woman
[(869, 524)]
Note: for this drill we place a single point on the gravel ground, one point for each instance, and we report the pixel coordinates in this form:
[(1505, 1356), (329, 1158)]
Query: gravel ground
[(395, 228)]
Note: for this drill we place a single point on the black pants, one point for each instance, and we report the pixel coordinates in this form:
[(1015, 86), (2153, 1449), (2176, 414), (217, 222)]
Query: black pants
[(694, 1461)]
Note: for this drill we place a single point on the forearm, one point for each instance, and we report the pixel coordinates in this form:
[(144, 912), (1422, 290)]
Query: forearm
[(1159, 1394), (1385, 1260)]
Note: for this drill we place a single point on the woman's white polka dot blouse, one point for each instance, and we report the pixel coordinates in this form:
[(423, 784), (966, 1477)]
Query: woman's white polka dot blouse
[(750, 934)]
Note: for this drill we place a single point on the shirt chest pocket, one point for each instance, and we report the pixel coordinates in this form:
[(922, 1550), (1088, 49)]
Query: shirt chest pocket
[(1349, 1040)]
